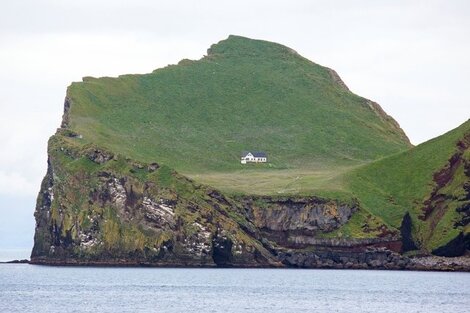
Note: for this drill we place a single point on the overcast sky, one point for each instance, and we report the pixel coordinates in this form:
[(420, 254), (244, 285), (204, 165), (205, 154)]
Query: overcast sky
[(412, 57)]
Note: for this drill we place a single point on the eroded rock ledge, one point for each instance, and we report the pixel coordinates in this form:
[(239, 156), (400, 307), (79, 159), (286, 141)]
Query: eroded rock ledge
[(98, 208)]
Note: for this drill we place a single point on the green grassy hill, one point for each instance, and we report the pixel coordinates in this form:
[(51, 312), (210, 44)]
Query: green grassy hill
[(197, 117), (431, 181)]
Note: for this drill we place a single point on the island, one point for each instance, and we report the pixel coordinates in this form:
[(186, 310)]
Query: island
[(145, 170)]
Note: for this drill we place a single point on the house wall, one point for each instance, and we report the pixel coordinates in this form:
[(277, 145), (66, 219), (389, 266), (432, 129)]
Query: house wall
[(249, 158)]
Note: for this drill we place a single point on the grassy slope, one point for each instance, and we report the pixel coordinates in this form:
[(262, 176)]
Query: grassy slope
[(246, 94), (394, 185)]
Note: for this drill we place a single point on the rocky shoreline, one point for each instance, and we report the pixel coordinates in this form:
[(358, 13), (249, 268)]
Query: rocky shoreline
[(386, 260), (436, 263), (376, 258), (23, 261)]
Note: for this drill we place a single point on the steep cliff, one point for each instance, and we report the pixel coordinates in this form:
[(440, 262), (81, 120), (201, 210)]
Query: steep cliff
[(97, 207)]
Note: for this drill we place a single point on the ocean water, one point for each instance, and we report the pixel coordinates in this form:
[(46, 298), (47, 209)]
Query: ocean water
[(32, 288)]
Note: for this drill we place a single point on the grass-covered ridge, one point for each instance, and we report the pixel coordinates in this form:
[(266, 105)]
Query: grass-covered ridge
[(395, 184), (197, 116), (430, 181)]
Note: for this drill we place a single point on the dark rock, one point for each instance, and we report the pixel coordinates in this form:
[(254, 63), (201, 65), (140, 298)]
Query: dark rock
[(222, 251), (464, 210), (99, 156), (24, 261), (153, 167), (65, 116), (406, 234), (455, 247)]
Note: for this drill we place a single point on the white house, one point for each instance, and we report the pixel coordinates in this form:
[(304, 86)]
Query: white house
[(253, 157)]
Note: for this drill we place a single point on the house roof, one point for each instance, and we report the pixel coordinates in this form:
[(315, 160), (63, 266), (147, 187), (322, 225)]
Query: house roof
[(256, 154)]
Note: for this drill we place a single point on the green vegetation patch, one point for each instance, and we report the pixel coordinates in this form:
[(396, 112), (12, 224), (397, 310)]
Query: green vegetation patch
[(401, 182), (196, 117)]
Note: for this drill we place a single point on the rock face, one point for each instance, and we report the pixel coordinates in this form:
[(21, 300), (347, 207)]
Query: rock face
[(150, 216), (96, 208), (113, 211), (294, 222), (307, 215), (99, 208)]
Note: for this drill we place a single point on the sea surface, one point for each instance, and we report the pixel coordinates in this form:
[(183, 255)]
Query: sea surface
[(34, 288)]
